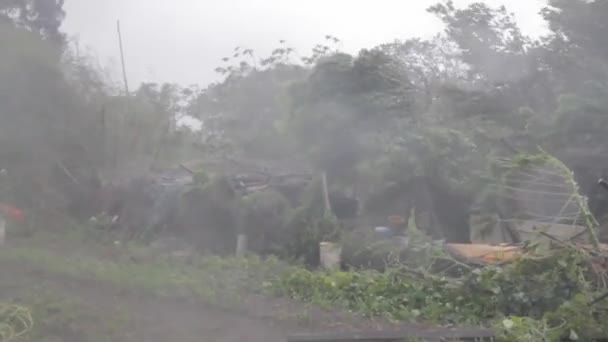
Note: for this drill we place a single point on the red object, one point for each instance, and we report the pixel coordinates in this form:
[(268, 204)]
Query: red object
[(396, 219), (12, 212)]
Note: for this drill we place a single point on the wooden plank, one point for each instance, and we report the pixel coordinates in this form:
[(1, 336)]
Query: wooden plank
[(483, 253), (386, 336)]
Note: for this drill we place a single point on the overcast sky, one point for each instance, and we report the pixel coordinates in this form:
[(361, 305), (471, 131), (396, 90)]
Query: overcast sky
[(183, 40)]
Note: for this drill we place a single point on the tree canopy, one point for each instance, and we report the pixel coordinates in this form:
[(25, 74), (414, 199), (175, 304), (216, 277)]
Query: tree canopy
[(443, 108)]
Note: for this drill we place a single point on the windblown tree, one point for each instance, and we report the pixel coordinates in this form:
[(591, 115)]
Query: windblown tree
[(60, 123), (441, 108), (247, 109), (44, 122), (39, 16), (490, 41)]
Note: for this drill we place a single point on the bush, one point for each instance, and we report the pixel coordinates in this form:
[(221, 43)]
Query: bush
[(265, 216), (536, 298)]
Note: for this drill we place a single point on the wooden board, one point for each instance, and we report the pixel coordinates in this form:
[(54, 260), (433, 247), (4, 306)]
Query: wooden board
[(483, 253)]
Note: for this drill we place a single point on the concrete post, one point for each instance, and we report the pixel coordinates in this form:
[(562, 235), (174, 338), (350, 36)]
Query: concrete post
[(241, 245), (2, 230)]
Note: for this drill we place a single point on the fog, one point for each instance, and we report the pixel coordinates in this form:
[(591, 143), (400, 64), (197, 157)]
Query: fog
[(182, 41), (355, 164)]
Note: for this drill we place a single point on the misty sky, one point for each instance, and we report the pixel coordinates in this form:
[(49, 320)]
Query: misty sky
[(183, 40)]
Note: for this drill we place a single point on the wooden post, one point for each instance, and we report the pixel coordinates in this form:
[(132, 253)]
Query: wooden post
[(103, 134)]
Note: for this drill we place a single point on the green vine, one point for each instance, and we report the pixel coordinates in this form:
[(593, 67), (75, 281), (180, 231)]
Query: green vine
[(15, 321)]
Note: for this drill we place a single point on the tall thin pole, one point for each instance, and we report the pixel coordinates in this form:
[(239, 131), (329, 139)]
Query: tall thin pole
[(122, 58), (325, 190), (123, 134)]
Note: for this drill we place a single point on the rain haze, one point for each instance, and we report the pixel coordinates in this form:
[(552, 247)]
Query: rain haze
[(182, 41), (289, 171)]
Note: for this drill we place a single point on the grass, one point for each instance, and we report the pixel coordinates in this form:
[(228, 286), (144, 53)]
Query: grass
[(64, 319), (525, 298), (15, 321), (57, 317), (211, 279)]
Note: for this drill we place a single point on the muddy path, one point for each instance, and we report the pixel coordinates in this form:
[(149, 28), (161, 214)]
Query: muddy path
[(138, 315), (145, 318)]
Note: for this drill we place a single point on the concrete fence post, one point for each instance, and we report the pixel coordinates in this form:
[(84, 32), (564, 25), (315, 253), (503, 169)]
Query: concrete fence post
[(241, 245), (2, 230)]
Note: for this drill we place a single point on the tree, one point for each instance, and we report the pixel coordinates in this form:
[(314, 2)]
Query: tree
[(577, 59), (490, 41), (40, 16), (247, 110), (429, 64)]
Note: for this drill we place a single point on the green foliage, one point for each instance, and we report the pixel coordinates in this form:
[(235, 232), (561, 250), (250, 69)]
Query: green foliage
[(60, 124), (529, 287), (61, 318), (308, 225), (489, 39), (208, 215), (441, 107), (42, 17), (417, 254), (574, 319), (544, 297), (580, 119), (200, 178), (307, 231), (15, 322), (265, 216)]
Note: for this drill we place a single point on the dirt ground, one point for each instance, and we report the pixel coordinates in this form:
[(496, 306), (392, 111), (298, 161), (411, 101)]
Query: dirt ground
[(143, 318), (82, 309)]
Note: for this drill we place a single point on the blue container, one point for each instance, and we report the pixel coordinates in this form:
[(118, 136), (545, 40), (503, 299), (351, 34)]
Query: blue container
[(384, 232)]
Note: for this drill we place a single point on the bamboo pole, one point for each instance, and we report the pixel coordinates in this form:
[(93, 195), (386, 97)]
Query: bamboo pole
[(122, 135), (325, 193), (122, 58)]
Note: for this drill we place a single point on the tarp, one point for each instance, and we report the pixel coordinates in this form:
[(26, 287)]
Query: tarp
[(484, 253), (493, 254)]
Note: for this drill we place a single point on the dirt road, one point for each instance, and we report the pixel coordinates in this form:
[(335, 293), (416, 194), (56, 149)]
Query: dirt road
[(128, 316), (50, 275)]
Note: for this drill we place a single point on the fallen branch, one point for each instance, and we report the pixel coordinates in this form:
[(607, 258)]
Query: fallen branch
[(598, 299), (187, 169), (68, 173)]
